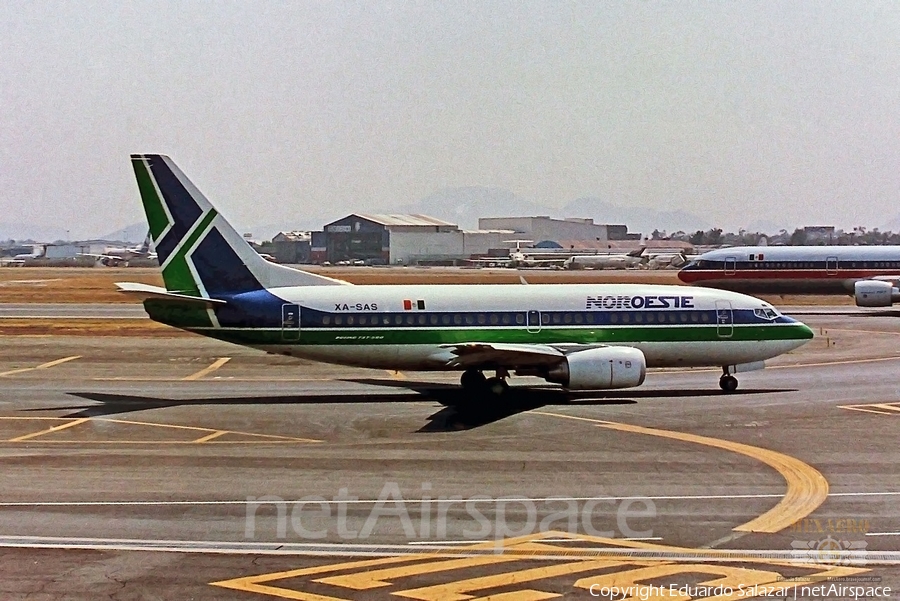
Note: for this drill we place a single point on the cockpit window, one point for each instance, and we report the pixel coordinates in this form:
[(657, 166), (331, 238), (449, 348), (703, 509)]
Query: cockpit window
[(766, 313)]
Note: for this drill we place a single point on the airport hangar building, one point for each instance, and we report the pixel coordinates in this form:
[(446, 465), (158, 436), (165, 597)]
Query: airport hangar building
[(402, 240), (391, 239)]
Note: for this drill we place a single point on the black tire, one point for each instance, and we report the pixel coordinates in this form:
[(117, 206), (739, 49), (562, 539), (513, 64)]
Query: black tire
[(728, 383), (472, 379), (496, 386)]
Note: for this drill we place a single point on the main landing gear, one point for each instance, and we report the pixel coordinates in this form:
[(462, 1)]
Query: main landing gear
[(474, 380), (727, 382)]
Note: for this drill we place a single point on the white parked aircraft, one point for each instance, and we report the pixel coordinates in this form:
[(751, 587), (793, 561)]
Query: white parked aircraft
[(627, 260), (871, 274), (666, 260), (119, 256), (580, 336)]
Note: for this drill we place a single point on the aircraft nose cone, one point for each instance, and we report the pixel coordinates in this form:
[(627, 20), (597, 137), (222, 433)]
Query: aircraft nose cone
[(805, 331), (800, 330)]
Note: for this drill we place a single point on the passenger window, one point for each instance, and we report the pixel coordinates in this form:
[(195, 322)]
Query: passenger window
[(694, 317), (363, 320), (651, 317), (482, 319), (422, 319), (410, 319), (326, 320), (638, 318), (683, 317), (495, 319), (614, 318), (470, 319), (433, 319), (386, 320), (588, 318), (567, 318), (557, 318), (520, 319), (579, 318), (445, 319), (626, 317), (457, 319), (506, 319), (339, 320), (545, 318), (704, 317)]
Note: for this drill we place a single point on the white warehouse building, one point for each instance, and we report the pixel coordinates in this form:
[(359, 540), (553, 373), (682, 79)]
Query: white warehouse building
[(406, 239), (541, 227)]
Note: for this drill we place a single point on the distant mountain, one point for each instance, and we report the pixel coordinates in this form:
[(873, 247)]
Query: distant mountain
[(135, 233), (463, 206), (638, 219), (30, 231), (764, 226)]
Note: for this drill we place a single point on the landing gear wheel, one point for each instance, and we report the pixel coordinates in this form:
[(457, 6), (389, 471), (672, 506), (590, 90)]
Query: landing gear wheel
[(728, 383), (496, 386), (472, 379)]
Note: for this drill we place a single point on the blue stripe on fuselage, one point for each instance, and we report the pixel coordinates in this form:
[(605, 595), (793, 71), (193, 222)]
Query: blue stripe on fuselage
[(256, 309), (262, 309)]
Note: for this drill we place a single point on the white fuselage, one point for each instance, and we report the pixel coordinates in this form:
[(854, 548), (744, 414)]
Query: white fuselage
[(411, 327)]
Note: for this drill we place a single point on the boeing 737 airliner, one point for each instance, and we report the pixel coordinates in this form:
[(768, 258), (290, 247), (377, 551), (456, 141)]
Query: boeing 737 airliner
[(868, 273), (580, 336)]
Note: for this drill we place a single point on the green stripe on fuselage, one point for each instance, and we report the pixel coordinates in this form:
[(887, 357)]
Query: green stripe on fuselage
[(547, 335)]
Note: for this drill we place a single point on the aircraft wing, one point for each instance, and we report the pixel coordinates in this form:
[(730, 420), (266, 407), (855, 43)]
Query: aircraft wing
[(497, 354)]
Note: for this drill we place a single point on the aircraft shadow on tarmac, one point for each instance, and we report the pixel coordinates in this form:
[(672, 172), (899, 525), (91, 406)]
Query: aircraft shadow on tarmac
[(460, 411)]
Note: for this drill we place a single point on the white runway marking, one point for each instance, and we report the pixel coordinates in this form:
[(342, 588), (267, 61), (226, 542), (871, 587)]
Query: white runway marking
[(375, 550), (413, 500)]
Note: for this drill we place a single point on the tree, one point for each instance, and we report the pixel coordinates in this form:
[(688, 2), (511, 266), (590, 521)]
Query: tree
[(713, 236), (798, 238)]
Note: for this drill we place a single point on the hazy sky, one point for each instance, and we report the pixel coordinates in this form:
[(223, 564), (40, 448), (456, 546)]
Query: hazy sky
[(736, 111)]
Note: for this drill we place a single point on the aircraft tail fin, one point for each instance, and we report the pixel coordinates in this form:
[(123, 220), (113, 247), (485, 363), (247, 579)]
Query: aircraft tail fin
[(199, 252), (637, 252), (144, 248)]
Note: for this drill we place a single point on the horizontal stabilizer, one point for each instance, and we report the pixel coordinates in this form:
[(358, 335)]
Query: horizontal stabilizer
[(145, 291)]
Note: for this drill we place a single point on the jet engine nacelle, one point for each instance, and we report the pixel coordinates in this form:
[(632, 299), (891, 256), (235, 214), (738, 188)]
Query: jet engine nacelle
[(875, 293), (601, 368)]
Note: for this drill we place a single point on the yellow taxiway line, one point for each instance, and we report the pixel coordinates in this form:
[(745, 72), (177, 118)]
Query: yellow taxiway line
[(442, 584), (70, 424), (41, 366), (878, 408), (208, 434), (208, 369), (807, 488)]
